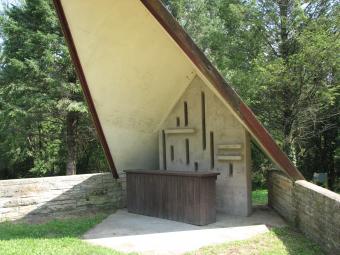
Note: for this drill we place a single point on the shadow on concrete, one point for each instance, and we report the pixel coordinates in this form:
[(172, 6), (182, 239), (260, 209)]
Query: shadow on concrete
[(128, 232), (123, 223)]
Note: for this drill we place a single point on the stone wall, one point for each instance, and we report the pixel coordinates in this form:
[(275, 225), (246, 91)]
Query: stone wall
[(58, 196), (280, 195), (311, 208)]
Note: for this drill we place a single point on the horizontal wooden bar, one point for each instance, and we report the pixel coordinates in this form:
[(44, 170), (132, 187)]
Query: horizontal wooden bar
[(229, 146), (180, 131), (177, 173), (229, 157)]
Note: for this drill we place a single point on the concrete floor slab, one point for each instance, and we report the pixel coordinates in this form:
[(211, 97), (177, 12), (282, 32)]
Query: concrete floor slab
[(128, 232)]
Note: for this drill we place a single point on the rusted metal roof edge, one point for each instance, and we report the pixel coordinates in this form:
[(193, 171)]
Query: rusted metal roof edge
[(81, 75)]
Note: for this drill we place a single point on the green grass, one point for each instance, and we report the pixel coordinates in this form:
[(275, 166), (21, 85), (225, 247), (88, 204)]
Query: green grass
[(260, 197), (57, 237), (279, 241), (61, 237)]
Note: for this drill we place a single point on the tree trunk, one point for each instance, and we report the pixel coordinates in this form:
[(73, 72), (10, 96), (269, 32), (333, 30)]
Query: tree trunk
[(71, 121), (286, 91), (287, 127), (329, 148), (284, 47)]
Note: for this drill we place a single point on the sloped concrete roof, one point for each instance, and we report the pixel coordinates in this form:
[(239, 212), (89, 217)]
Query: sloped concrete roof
[(134, 61)]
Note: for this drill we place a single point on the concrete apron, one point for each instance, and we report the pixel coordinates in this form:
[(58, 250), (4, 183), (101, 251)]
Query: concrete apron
[(126, 232)]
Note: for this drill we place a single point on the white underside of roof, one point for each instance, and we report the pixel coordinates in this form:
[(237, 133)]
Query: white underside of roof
[(135, 72)]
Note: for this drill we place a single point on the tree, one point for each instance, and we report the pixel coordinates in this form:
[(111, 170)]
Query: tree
[(43, 119)]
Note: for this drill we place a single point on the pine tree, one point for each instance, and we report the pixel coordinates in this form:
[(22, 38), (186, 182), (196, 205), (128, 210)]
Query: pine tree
[(43, 119)]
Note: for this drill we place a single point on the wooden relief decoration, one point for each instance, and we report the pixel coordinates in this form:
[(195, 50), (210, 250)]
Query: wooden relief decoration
[(201, 134), (194, 128)]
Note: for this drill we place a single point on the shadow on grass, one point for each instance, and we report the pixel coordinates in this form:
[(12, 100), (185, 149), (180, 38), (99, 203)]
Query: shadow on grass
[(279, 241), (74, 227), (296, 243), (56, 237)]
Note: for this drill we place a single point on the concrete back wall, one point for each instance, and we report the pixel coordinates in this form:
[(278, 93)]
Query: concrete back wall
[(233, 187), (311, 208), (58, 196)]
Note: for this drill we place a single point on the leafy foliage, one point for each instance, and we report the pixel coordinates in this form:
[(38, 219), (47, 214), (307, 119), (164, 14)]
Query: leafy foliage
[(281, 57), (259, 197), (40, 97)]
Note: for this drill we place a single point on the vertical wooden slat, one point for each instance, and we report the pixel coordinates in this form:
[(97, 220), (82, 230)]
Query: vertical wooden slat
[(212, 151), (164, 149), (204, 131), (172, 153), (231, 170), (186, 120), (187, 151)]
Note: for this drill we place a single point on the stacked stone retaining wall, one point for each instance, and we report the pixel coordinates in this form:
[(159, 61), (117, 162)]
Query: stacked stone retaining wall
[(312, 209), (57, 196)]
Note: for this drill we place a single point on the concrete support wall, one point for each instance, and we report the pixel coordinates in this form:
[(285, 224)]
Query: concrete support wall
[(58, 196), (311, 208)]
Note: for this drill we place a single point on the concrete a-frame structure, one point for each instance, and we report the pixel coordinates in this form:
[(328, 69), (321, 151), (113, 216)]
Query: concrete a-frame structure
[(156, 100)]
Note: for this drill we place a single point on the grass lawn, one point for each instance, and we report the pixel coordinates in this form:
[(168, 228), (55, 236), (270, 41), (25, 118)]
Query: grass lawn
[(61, 237), (57, 237), (260, 197), (279, 241)]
